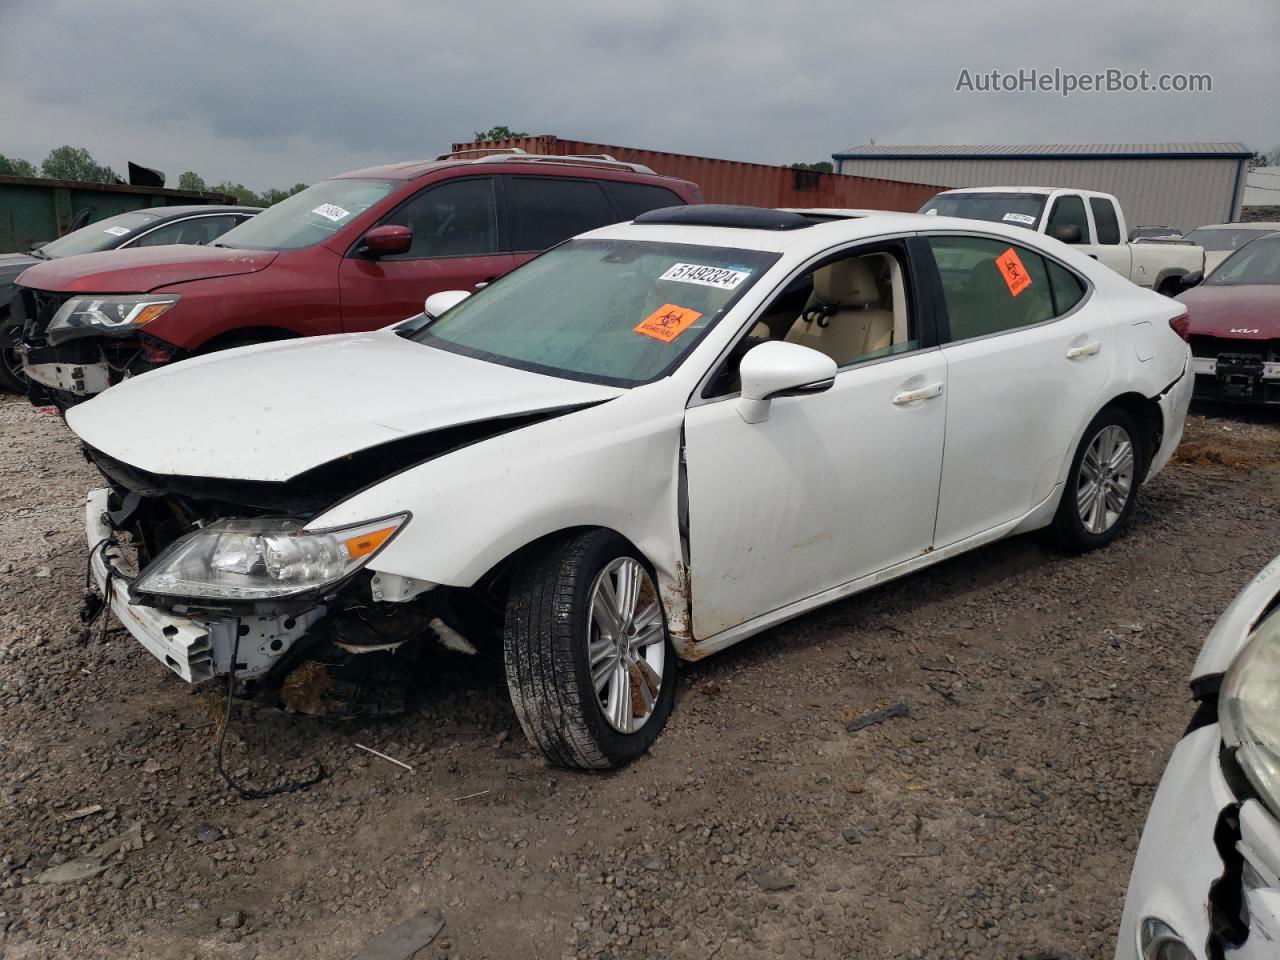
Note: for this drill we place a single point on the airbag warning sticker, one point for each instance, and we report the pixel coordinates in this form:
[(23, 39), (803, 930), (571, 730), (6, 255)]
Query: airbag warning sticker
[(667, 322), (331, 211), (720, 277), (1014, 273)]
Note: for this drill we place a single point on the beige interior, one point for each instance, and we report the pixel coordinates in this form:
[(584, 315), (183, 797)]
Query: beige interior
[(846, 316)]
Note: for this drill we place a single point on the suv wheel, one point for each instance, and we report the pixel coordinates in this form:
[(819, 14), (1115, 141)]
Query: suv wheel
[(11, 376), (589, 662)]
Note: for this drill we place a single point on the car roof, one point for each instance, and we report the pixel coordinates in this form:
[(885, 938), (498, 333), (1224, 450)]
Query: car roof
[(1264, 226), (1043, 191), (187, 210), (413, 169), (830, 226)]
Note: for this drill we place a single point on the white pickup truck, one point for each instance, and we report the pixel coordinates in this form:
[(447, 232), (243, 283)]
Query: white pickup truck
[(1084, 218)]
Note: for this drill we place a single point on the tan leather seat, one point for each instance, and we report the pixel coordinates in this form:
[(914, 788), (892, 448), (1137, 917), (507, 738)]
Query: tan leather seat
[(840, 322)]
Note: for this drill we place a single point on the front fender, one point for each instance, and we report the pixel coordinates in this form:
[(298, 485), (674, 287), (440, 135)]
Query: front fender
[(614, 465)]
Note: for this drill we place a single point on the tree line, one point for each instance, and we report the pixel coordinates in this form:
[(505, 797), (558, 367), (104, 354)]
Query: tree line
[(76, 163)]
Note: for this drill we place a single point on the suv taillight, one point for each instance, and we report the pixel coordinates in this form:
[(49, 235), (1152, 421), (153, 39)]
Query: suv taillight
[(1181, 325)]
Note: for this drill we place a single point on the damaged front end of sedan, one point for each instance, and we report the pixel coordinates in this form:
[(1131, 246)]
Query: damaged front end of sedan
[(223, 578)]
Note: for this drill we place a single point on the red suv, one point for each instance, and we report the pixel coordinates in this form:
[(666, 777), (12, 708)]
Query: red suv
[(357, 252)]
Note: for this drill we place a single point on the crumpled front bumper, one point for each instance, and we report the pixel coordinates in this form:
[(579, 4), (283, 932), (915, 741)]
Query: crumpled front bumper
[(194, 649), (1178, 860)]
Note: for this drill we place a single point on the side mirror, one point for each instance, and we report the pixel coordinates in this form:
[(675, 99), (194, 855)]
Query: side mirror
[(779, 369), (438, 303), (386, 241), (1192, 279), (1067, 233)]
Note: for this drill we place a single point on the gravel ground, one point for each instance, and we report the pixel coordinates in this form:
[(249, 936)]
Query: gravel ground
[(997, 819)]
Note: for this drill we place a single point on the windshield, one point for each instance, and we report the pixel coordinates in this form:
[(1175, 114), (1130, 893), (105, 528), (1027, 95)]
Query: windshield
[(1218, 240), (619, 312), (104, 235), (1019, 209), (1259, 262), (309, 217)]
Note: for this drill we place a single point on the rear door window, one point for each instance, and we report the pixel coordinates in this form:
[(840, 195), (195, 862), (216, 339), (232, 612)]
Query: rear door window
[(1104, 218), (633, 199), (991, 286), (547, 210)]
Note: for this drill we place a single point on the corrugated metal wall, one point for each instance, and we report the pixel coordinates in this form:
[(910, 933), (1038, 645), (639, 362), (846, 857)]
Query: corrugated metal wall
[(730, 181), (1182, 193)]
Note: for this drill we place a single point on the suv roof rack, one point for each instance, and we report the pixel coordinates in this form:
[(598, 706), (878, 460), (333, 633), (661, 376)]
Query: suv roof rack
[(516, 155), (455, 154), (728, 215)]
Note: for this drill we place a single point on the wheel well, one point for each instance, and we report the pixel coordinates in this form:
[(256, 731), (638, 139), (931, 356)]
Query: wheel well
[(1146, 413), (242, 336)]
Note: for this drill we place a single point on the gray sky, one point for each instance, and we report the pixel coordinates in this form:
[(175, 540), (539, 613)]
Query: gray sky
[(268, 93)]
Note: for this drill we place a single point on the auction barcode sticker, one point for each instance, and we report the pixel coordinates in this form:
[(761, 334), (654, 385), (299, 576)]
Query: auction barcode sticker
[(1022, 218), (116, 231), (331, 212), (720, 277)]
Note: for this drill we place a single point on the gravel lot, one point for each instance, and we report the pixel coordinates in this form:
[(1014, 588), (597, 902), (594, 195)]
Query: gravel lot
[(998, 819)]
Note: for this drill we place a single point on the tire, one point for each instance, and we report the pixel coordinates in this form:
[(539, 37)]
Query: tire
[(11, 376), (551, 632), (1082, 522)]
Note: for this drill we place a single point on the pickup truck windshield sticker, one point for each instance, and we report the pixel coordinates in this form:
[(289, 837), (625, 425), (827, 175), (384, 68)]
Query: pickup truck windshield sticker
[(116, 231), (1022, 218), (668, 321), (1015, 274), (332, 212), (720, 277)]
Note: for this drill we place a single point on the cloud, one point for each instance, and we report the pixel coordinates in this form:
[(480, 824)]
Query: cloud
[(272, 93)]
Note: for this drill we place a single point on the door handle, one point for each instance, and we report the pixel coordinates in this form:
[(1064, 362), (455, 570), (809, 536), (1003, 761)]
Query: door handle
[(1084, 350), (924, 393)]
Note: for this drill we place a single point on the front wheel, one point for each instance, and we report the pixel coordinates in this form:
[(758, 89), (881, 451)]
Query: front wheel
[(589, 662), (11, 376), (1103, 483)]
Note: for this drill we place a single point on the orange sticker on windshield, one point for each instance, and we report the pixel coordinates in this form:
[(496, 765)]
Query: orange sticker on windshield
[(1015, 274), (667, 322)]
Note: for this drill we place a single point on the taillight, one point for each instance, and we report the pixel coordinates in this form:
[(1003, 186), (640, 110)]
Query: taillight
[(1181, 325)]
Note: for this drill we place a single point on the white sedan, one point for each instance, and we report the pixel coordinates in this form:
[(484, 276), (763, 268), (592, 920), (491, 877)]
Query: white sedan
[(1206, 881), (647, 444)]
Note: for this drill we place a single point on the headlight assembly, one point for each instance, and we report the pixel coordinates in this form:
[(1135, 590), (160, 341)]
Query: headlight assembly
[(248, 560), (1249, 710), (106, 316)]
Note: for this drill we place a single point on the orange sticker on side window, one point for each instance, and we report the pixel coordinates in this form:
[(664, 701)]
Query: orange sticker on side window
[(1015, 274), (667, 322)]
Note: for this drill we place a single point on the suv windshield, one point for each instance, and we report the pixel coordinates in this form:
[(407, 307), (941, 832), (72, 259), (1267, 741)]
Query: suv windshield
[(1018, 209), (619, 312), (315, 214), (1257, 262), (104, 235)]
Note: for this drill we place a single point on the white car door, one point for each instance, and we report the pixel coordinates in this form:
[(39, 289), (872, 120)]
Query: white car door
[(1028, 351), (1109, 246), (831, 487)]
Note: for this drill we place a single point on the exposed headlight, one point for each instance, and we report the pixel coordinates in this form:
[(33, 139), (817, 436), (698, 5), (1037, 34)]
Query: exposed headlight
[(1159, 941), (1249, 710), (263, 559), (109, 316)]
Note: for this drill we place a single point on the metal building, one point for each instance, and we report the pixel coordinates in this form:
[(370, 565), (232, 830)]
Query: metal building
[(1182, 185)]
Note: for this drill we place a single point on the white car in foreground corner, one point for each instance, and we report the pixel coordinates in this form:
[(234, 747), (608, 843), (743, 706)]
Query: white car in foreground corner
[(647, 444), (1206, 881)]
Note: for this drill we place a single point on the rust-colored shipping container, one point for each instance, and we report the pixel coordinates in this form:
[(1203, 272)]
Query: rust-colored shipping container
[(732, 181)]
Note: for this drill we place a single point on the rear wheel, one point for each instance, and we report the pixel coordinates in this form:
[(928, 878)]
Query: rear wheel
[(1102, 486), (589, 663)]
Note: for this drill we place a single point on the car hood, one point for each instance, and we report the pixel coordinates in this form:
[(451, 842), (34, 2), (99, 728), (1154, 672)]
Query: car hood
[(142, 270), (1228, 311), (12, 264), (272, 411), (1229, 634)]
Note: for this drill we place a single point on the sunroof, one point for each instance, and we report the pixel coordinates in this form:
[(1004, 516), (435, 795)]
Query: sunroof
[(727, 215)]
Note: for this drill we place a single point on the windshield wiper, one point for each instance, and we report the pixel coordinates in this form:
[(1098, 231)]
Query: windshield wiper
[(38, 254)]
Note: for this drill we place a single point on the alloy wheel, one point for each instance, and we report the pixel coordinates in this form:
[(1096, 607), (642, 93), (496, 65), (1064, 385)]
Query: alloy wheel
[(626, 644), (1105, 481)]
